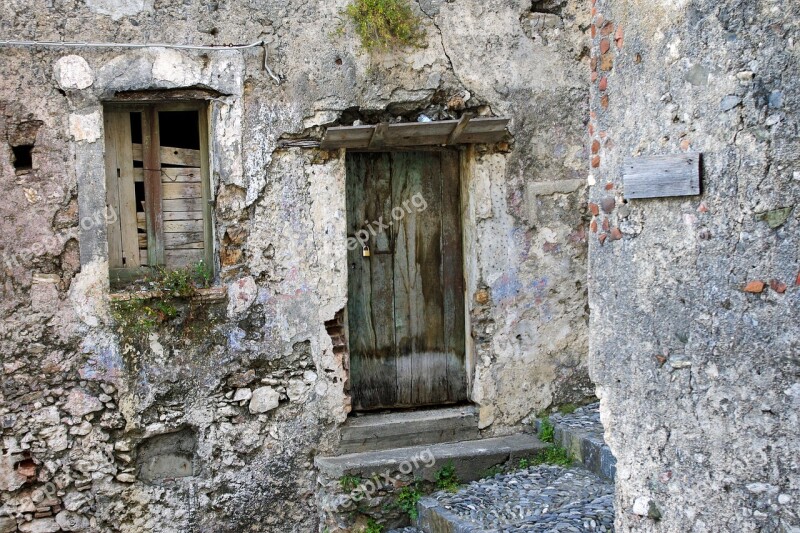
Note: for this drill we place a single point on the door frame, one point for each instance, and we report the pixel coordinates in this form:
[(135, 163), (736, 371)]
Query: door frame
[(466, 155)]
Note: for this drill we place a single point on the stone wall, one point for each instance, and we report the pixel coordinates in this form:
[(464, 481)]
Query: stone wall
[(694, 300), (213, 425)]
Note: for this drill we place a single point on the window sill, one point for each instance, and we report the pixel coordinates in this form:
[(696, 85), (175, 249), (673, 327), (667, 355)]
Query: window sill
[(210, 295)]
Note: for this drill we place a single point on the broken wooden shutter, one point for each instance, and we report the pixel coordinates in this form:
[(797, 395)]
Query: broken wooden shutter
[(184, 190), (170, 221), (123, 242), (176, 188)]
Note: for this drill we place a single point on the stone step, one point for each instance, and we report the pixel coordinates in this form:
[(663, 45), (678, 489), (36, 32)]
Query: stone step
[(581, 432), (541, 498), (471, 459), (374, 432)]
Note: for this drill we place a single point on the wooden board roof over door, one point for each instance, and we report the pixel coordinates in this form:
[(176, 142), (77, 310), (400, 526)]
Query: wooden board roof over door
[(385, 136)]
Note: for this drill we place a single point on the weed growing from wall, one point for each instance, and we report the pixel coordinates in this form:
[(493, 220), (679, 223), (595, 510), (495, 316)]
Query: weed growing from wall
[(384, 24), (407, 499), (164, 302), (546, 430), (446, 478)]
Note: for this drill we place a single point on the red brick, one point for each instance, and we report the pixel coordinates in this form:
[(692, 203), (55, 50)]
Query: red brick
[(604, 101), (605, 46), (594, 208), (606, 224), (797, 281), (777, 286), (596, 161), (595, 146), (593, 63), (591, 129), (606, 62), (607, 29), (593, 226), (602, 238), (616, 234), (594, 77), (754, 287), (603, 85), (609, 186), (593, 30), (702, 208), (619, 37)]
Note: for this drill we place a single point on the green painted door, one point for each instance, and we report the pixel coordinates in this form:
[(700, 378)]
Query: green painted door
[(405, 310)]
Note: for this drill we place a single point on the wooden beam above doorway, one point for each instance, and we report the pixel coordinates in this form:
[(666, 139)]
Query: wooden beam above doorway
[(467, 130)]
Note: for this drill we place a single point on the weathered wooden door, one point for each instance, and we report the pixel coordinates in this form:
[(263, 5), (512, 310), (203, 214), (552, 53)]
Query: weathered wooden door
[(406, 284)]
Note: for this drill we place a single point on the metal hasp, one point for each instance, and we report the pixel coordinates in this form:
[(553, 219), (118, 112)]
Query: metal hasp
[(662, 176), (384, 136)]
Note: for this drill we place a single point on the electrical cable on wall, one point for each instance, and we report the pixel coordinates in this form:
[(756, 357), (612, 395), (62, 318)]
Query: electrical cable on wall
[(62, 44)]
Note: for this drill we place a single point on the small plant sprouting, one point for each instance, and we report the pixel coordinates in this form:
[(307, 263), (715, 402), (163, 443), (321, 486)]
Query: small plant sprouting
[(349, 483), (407, 499), (524, 463), (546, 430), (567, 408), (446, 478), (554, 455), (373, 527), (202, 275), (383, 24), (139, 316), (493, 471)]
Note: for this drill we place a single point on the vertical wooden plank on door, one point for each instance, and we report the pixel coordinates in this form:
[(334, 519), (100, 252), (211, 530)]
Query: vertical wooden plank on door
[(112, 191), (370, 303), (453, 279), (205, 169), (152, 186), (417, 272), (121, 132), (403, 235)]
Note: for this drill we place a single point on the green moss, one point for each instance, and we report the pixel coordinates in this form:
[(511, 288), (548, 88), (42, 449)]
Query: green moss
[(349, 483), (567, 408), (383, 24), (493, 471)]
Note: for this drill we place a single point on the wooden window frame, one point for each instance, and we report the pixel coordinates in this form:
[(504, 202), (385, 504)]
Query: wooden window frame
[(152, 181)]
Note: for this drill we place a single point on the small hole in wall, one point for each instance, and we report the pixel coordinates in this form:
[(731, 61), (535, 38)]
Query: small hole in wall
[(553, 7), (23, 157), (338, 60)]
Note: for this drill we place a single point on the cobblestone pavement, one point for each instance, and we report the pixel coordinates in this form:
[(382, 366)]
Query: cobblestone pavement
[(586, 418), (539, 498), (543, 498)]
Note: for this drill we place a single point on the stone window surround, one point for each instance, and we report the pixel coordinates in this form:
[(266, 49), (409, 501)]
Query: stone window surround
[(156, 69)]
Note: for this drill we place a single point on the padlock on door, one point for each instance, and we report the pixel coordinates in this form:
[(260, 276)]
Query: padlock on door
[(365, 251)]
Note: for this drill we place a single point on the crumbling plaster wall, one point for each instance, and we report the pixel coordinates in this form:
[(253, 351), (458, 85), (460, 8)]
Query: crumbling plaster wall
[(694, 300), (262, 391)]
